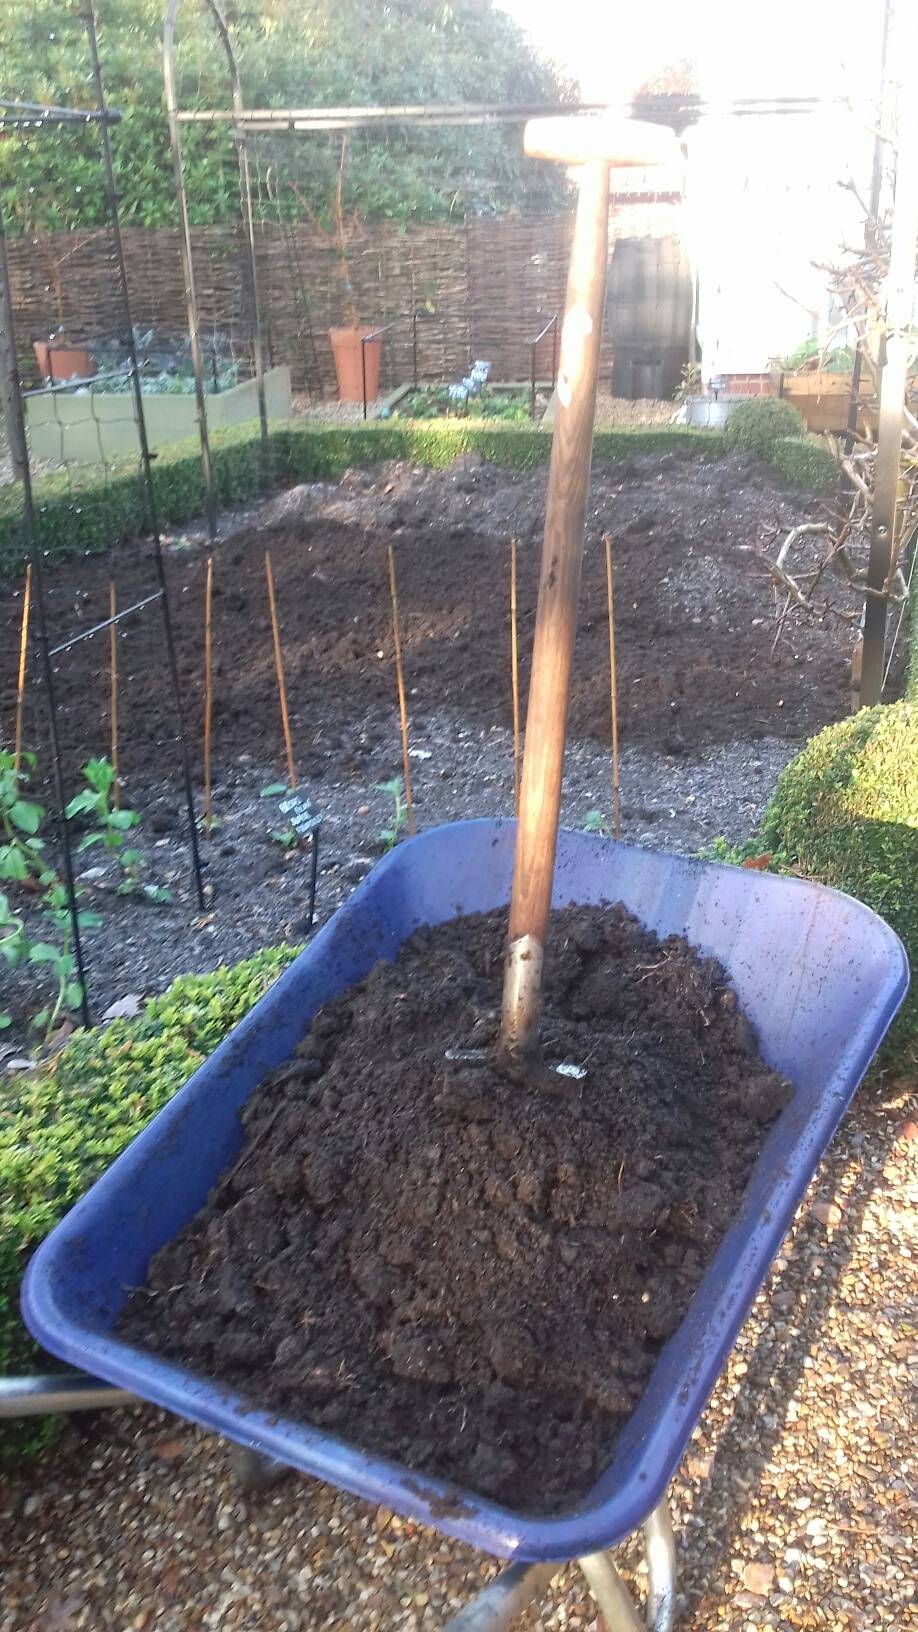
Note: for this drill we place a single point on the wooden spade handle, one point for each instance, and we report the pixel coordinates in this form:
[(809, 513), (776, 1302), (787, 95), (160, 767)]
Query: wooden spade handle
[(556, 617)]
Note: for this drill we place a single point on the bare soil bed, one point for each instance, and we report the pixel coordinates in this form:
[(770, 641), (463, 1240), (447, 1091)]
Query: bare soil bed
[(695, 615), (417, 1253)]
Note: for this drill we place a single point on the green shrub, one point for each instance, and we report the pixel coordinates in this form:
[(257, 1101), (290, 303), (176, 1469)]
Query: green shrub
[(845, 811), (79, 513), (755, 426), (62, 1127), (803, 461)]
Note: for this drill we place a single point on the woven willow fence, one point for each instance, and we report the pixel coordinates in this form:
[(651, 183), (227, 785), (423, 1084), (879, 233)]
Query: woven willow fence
[(486, 287)]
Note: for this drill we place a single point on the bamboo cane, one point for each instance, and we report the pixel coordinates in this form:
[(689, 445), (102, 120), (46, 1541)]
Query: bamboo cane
[(515, 678), (613, 690), (279, 671), (23, 656), (400, 686)]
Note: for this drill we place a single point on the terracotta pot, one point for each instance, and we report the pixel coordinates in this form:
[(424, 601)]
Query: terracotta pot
[(62, 362), (346, 349)]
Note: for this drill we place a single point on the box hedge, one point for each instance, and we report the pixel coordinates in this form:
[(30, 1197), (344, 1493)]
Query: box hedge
[(845, 811), (755, 425), (803, 461), (64, 1125), (79, 512)]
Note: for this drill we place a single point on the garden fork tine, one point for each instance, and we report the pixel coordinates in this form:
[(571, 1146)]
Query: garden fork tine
[(593, 143)]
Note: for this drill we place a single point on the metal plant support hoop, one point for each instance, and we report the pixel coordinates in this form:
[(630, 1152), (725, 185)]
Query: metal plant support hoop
[(37, 118)]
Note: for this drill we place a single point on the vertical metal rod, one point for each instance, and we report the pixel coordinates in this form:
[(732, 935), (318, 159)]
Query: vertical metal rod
[(279, 671), (414, 346), (660, 1547), (554, 351), (613, 689), (21, 673), (145, 459), (313, 880), (873, 211), (28, 512), (532, 379), (400, 685), (208, 688), (191, 301), (248, 222), (515, 678), (610, 1593), (899, 344), (363, 372), (113, 691)]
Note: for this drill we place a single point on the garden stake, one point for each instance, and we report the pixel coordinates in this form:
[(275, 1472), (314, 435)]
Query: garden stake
[(208, 688), (400, 684), (515, 679), (613, 689), (279, 671), (113, 670), (593, 143), (23, 655)]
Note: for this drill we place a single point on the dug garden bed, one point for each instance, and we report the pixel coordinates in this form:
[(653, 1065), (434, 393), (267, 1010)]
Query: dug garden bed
[(472, 1275)]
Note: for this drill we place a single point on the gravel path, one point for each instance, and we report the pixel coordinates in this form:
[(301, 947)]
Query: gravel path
[(794, 1505)]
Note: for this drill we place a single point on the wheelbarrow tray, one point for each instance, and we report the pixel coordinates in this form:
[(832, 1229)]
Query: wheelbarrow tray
[(819, 975)]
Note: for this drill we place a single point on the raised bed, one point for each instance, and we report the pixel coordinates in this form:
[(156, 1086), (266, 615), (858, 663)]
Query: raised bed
[(86, 426)]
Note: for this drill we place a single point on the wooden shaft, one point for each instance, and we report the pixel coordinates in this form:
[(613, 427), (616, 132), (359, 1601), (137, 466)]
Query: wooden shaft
[(279, 671), (208, 689), (556, 616), (400, 686), (113, 672), (23, 659), (515, 678), (613, 690)]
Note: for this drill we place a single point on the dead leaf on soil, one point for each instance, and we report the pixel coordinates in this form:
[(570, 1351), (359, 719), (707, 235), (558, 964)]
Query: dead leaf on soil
[(169, 1449), (757, 863), (203, 920), (124, 1008)]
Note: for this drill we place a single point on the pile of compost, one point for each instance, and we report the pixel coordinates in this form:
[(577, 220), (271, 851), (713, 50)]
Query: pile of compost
[(473, 1276)]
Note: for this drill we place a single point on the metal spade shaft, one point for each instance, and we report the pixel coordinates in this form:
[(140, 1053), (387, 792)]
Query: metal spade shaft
[(593, 144)]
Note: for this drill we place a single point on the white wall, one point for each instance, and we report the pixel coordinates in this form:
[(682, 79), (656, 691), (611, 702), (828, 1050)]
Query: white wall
[(764, 207)]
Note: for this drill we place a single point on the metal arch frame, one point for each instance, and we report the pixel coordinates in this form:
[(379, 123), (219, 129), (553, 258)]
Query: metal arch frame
[(245, 192)]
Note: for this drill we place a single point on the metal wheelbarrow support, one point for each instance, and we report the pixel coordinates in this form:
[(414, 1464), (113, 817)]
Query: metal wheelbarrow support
[(819, 976)]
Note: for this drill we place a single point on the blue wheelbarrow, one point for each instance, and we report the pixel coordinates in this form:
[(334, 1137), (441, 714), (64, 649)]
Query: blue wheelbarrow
[(820, 977)]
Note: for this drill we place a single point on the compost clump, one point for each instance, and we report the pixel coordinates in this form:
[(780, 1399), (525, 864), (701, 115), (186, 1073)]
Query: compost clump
[(434, 1262)]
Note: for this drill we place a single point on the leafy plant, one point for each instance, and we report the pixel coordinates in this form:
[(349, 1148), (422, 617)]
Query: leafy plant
[(21, 860), (595, 822), (65, 1123), (388, 836), (285, 836), (96, 802)]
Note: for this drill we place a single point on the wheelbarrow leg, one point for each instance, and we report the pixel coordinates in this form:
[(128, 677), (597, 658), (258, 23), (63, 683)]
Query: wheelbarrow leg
[(660, 1547), (612, 1595), (497, 1607)]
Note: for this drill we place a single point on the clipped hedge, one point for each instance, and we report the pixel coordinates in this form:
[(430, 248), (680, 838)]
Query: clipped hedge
[(755, 425), (62, 1127), (845, 811), (803, 461), (86, 511)]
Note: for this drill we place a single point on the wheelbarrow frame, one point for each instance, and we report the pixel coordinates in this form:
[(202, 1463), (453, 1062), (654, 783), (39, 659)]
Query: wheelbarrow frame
[(820, 976)]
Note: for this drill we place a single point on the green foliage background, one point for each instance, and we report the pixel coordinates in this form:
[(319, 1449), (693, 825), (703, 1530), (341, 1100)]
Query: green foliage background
[(291, 52)]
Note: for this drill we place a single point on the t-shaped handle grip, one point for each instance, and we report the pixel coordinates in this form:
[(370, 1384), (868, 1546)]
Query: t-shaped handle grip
[(605, 137)]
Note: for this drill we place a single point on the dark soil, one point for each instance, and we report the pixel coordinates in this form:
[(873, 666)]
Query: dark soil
[(694, 602), (473, 1277)]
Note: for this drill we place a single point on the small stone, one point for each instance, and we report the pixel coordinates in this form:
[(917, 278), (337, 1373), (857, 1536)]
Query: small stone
[(758, 1578)]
